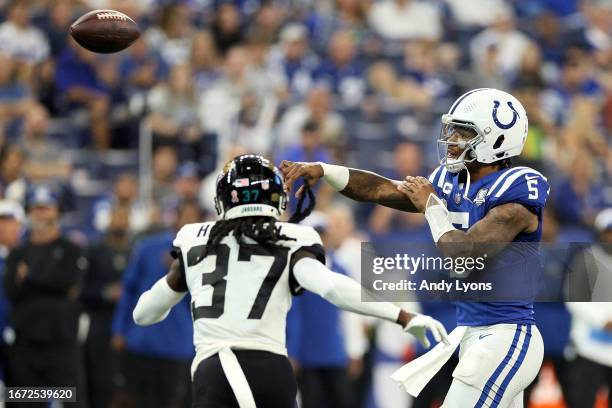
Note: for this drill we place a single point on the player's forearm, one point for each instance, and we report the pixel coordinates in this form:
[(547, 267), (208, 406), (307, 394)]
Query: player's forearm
[(154, 305), (362, 185), (340, 290)]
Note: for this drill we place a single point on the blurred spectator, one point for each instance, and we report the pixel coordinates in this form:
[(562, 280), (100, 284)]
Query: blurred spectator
[(597, 33), (317, 107), (349, 15), (267, 22), (341, 71), (406, 20), (125, 196), (13, 185), (21, 40), (576, 80), (293, 61), (80, 84), (187, 183), (204, 60), (43, 282), (173, 106), (592, 322), (141, 68), (156, 358), (165, 162), (227, 27), (12, 218), (471, 15), (102, 289), (428, 72), (551, 39), (408, 159), (15, 98), (310, 147), (504, 40), (578, 194), (45, 160), (172, 37), (56, 23), (221, 103)]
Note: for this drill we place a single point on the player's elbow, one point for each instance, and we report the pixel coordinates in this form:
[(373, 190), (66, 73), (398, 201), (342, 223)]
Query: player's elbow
[(140, 318)]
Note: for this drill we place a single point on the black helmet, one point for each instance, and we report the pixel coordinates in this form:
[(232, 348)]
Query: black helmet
[(250, 185)]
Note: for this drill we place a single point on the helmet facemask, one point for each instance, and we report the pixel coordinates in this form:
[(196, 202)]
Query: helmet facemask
[(466, 136)]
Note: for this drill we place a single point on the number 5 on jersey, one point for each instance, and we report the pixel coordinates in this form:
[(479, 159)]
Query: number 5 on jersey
[(532, 186)]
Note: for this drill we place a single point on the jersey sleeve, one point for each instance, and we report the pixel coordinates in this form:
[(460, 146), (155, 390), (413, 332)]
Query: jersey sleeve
[(527, 187), (306, 240), (436, 178)]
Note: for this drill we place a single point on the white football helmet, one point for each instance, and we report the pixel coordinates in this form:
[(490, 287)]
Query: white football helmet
[(498, 123)]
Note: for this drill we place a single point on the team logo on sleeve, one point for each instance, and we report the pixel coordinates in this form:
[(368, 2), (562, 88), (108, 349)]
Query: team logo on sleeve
[(480, 196)]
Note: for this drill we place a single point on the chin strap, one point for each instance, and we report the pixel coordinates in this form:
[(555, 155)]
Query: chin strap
[(437, 217), (467, 185)]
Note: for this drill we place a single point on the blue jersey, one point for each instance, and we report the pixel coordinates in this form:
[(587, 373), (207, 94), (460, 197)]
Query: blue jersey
[(521, 185)]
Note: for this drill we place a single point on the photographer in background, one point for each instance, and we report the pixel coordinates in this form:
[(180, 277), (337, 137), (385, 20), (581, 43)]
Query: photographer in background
[(42, 282)]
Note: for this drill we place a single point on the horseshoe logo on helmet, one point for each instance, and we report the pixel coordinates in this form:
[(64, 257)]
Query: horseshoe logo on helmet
[(515, 116)]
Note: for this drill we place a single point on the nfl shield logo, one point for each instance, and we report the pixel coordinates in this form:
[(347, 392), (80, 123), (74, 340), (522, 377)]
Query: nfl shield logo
[(457, 198), (265, 184), (480, 196)]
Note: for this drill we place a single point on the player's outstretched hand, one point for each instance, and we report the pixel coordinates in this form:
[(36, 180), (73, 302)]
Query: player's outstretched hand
[(310, 172), (420, 324)]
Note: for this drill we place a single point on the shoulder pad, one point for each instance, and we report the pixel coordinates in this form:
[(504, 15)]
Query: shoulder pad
[(190, 232), (303, 235), (437, 177), (521, 185)]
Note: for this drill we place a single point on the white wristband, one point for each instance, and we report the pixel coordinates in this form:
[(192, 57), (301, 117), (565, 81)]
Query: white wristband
[(437, 217), (335, 176)]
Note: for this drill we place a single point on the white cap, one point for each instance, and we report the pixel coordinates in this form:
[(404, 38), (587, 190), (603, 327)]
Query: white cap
[(603, 220), (293, 32), (11, 209)]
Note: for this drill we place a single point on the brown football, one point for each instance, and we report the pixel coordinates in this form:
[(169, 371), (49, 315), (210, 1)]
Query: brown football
[(105, 31)]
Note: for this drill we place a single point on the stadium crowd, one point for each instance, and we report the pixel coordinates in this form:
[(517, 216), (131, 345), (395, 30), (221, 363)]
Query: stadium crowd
[(358, 82)]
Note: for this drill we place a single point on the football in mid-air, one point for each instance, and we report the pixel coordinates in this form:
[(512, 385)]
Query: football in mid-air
[(105, 31)]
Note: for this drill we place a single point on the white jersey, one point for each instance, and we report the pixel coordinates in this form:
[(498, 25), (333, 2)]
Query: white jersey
[(240, 294)]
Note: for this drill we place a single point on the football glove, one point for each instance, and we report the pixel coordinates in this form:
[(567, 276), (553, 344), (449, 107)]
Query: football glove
[(420, 324)]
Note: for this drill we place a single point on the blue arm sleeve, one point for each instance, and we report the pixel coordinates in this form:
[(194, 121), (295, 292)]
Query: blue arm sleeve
[(123, 313)]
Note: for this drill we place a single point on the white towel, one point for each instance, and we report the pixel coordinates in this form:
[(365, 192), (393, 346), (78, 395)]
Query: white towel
[(236, 378), (415, 375)]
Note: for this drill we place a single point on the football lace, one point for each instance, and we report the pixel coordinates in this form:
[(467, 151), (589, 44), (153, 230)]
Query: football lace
[(111, 16)]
